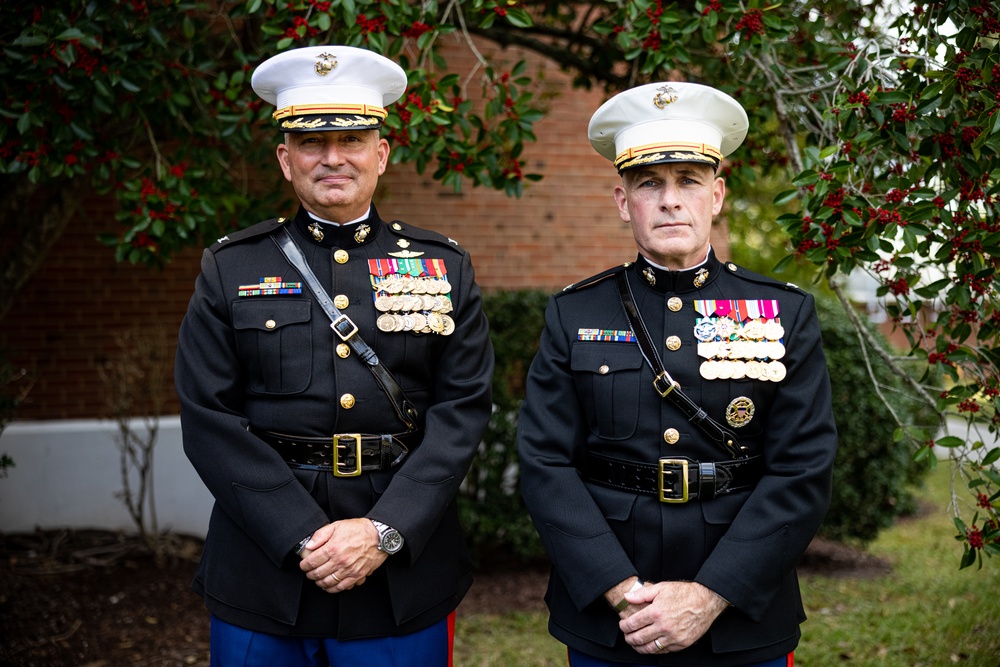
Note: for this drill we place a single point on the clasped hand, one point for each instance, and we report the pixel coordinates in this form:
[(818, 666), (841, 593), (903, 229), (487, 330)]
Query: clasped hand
[(342, 554), (673, 614)]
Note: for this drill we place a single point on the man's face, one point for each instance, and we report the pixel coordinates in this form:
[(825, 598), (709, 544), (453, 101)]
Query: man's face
[(334, 173), (670, 208)]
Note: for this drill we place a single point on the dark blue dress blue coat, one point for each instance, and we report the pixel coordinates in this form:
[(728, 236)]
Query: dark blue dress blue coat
[(272, 362), (597, 396)]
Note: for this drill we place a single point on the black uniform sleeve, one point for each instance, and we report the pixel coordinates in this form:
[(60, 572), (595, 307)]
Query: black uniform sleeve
[(249, 480), (582, 547)]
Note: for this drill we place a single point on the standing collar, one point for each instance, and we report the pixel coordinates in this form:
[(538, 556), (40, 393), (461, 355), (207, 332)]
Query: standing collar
[(688, 280), (350, 235)]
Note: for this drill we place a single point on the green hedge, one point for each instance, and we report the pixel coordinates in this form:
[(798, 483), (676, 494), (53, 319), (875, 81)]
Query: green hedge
[(871, 476)]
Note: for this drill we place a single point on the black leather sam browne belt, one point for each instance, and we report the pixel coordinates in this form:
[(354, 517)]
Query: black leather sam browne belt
[(675, 480), (343, 454)]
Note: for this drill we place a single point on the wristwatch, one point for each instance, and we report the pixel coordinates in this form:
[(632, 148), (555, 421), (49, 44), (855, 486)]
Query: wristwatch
[(389, 539)]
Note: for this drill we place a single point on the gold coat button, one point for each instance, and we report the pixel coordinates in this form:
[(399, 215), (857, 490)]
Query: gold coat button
[(603, 370), (347, 401), (674, 303), (341, 257), (341, 301), (673, 343), (343, 350), (671, 435), (270, 324)]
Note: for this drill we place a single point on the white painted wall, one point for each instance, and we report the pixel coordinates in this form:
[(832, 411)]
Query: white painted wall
[(66, 474)]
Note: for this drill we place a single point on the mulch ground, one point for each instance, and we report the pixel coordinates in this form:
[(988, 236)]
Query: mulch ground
[(96, 598)]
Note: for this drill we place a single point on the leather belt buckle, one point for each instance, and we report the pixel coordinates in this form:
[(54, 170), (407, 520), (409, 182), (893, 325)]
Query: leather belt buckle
[(344, 322), (345, 440), (677, 490), (658, 382)]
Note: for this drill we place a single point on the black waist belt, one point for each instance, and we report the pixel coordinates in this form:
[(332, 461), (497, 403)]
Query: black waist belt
[(344, 454), (675, 480)]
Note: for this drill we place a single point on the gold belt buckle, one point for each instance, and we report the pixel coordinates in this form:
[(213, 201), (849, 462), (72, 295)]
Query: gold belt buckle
[(664, 498), (356, 437), (344, 319)]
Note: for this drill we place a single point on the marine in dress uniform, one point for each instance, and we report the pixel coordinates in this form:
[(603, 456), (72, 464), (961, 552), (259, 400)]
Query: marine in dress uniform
[(291, 430), (650, 517)]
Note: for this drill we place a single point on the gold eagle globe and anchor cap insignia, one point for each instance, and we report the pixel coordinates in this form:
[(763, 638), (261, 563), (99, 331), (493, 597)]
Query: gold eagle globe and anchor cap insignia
[(325, 62), (669, 121), (326, 88), (664, 96)]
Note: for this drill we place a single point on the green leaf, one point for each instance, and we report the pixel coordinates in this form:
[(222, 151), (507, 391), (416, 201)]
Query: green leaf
[(30, 40), (949, 441), (807, 177), (519, 18), (992, 457), (71, 33), (785, 197)]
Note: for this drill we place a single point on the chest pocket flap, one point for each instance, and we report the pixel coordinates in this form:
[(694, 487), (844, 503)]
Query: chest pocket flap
[(607, 378), (274, 342)]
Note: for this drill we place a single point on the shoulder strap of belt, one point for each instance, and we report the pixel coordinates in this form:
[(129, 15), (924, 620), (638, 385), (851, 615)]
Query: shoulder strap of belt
[(348, 331), (665, 385)]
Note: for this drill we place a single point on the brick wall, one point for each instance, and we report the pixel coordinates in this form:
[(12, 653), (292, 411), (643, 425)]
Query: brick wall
[(566, 227)]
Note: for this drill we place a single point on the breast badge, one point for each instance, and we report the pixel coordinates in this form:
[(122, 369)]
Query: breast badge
[(412, 295), (740, 412), (740, 338)]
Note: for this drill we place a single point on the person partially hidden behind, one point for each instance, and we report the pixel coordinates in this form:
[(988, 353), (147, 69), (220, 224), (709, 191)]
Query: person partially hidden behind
[(334, 373), (677, 440)]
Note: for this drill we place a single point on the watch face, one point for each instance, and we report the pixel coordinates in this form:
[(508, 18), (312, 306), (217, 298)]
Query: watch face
[(392, 542)]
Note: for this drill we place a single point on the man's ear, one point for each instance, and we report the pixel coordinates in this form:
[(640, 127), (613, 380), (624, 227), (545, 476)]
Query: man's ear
[(282, 152)]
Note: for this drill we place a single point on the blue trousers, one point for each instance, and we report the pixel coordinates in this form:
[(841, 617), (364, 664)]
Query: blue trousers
[(233, 646), (577, 659)]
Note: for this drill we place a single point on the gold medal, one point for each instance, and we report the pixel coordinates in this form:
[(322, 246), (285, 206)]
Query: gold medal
[(709, 370), (419, 322), (739, 370), (753, 370), (776, 371), (449, 326), (740, 412), (383, 303), (385, 323), (775, 350), (774, 331), (397, 323), (435, 322)]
